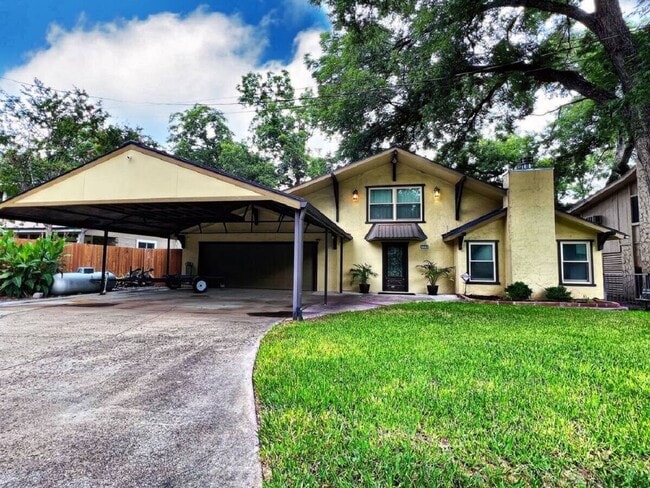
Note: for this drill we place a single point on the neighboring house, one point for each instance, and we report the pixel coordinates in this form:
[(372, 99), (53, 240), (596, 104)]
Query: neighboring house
[(617, 205), (392, 210), (33, 230)]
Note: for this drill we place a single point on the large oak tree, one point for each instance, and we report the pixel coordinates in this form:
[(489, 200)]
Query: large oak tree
[(434, 74)]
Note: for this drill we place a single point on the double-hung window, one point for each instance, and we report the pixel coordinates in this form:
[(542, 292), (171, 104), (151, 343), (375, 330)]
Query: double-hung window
[(482, 261), (395, 204), (575, 259)]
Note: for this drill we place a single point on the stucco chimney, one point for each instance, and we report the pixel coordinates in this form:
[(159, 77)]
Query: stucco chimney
[(531, 246)]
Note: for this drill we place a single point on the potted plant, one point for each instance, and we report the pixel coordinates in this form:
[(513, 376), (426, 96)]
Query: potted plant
[(362, 273), (432, 273)]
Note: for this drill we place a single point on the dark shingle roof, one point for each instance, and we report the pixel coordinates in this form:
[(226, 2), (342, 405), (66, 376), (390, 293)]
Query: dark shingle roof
[(395, 232)]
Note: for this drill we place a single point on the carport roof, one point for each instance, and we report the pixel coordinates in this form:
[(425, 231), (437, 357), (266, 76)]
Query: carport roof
[(141, 190)]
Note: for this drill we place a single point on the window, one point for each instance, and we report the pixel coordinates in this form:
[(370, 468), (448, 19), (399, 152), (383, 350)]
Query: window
[(146, 244), (482, 262), (634, 205), (575, 262), (397, 203)]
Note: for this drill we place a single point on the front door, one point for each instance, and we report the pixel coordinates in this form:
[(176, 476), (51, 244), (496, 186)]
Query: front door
[(395, 266)]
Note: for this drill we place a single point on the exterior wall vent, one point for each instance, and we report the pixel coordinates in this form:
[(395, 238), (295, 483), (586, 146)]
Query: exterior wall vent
[(595, 219)]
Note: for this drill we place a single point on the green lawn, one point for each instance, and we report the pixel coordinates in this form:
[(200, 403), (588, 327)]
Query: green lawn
[(457, 394)]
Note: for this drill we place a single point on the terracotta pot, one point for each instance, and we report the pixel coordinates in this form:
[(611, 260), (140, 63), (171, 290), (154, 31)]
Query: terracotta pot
[(364, 287), (432, 289)]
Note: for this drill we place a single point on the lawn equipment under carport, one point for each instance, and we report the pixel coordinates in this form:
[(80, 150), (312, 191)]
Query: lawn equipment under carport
[(139, 277)]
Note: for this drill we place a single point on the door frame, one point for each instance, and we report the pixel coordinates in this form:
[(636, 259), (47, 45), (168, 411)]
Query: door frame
[(405, 264)]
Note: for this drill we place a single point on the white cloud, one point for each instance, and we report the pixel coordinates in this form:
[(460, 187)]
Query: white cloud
[(144, 67)]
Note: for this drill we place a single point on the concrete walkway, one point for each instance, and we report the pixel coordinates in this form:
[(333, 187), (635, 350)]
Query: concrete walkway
[(139, 388)]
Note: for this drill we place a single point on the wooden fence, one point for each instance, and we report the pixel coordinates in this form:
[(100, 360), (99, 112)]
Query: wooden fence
[(120, 260)]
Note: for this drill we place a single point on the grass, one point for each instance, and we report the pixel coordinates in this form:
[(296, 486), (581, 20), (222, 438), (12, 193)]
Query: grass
[(456, 394)]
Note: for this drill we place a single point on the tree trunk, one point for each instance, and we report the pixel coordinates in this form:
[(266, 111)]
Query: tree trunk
[(643, 192)]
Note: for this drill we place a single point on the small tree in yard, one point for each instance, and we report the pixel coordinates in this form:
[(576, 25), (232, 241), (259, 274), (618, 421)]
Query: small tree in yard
[(29, 267)]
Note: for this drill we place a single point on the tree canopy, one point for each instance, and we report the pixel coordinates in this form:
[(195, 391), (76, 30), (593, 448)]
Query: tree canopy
[(440, 75), (201, 134), (45, 132), (282, 125)]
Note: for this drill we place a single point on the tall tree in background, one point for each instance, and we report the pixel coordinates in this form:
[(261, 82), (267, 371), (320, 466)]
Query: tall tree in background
[(282, 125), (45, 132), (201, 134), (430, 74)]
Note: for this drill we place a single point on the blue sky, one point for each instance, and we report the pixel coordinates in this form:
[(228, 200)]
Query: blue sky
[(149, 58), (24, 24)]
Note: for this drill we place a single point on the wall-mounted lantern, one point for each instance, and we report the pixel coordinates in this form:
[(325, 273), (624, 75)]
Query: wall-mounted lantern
[(355, 196), (436, 192)]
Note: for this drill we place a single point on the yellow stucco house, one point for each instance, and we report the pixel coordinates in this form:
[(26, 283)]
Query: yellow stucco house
[(393, 211), (401, 209)]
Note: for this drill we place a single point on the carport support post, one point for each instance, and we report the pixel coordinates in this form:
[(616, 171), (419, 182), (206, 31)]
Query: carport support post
[(104, 254), (298, 226), (327, 245), (341, 265)]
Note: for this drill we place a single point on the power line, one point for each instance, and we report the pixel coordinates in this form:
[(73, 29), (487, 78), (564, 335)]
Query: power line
[(212, 102)]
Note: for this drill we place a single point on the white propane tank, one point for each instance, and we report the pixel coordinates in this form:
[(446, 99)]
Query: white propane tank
[(68, 283)]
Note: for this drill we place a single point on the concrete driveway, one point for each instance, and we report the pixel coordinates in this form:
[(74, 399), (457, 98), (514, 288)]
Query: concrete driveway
[(139, 388), (147, 388)]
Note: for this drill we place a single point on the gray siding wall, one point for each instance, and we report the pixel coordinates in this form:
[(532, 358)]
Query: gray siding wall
[(619, 256)]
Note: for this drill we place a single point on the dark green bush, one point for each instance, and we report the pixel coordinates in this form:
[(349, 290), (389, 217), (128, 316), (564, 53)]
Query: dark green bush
[(28, 267), (518, 291), (558, 294)]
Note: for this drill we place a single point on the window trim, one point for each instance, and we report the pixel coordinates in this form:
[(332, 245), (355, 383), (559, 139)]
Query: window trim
[(144, 241), (590, 261), (495, 266), (394, 189), (632, 212)]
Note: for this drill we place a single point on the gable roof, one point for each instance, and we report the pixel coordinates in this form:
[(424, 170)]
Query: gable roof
[(141, 190), (603, 229), (403, 157), (603, 193), (497, 214), (137, 173), (502, 212)]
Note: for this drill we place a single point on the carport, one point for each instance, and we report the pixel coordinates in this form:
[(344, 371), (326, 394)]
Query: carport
[(140, 190)]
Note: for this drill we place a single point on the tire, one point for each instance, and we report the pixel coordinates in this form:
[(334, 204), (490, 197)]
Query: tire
[(173, 282), (199, 285)]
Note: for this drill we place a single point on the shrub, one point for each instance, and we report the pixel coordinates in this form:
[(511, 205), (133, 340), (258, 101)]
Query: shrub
[(28, 267), (519, 291), (558, 294)]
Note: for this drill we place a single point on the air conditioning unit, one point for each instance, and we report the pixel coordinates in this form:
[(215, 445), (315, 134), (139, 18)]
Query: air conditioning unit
[(595, 219)]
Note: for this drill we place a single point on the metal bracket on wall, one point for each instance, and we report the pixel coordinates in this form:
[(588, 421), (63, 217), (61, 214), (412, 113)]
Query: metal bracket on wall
[(460, 185), (602, 238), (335, 189), (461, 238)]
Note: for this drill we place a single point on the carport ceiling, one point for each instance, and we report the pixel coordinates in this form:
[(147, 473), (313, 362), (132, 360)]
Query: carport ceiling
[(105, 194), (154, 219)]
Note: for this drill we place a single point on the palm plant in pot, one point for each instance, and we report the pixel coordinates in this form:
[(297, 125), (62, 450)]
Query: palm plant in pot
[(362, 273), (432, 273)]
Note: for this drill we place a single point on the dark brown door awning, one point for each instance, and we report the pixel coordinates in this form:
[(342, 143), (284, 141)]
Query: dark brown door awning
[(396, 232)]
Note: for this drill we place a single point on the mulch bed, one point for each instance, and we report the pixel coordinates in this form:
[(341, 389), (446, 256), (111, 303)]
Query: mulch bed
[(594, 303)]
